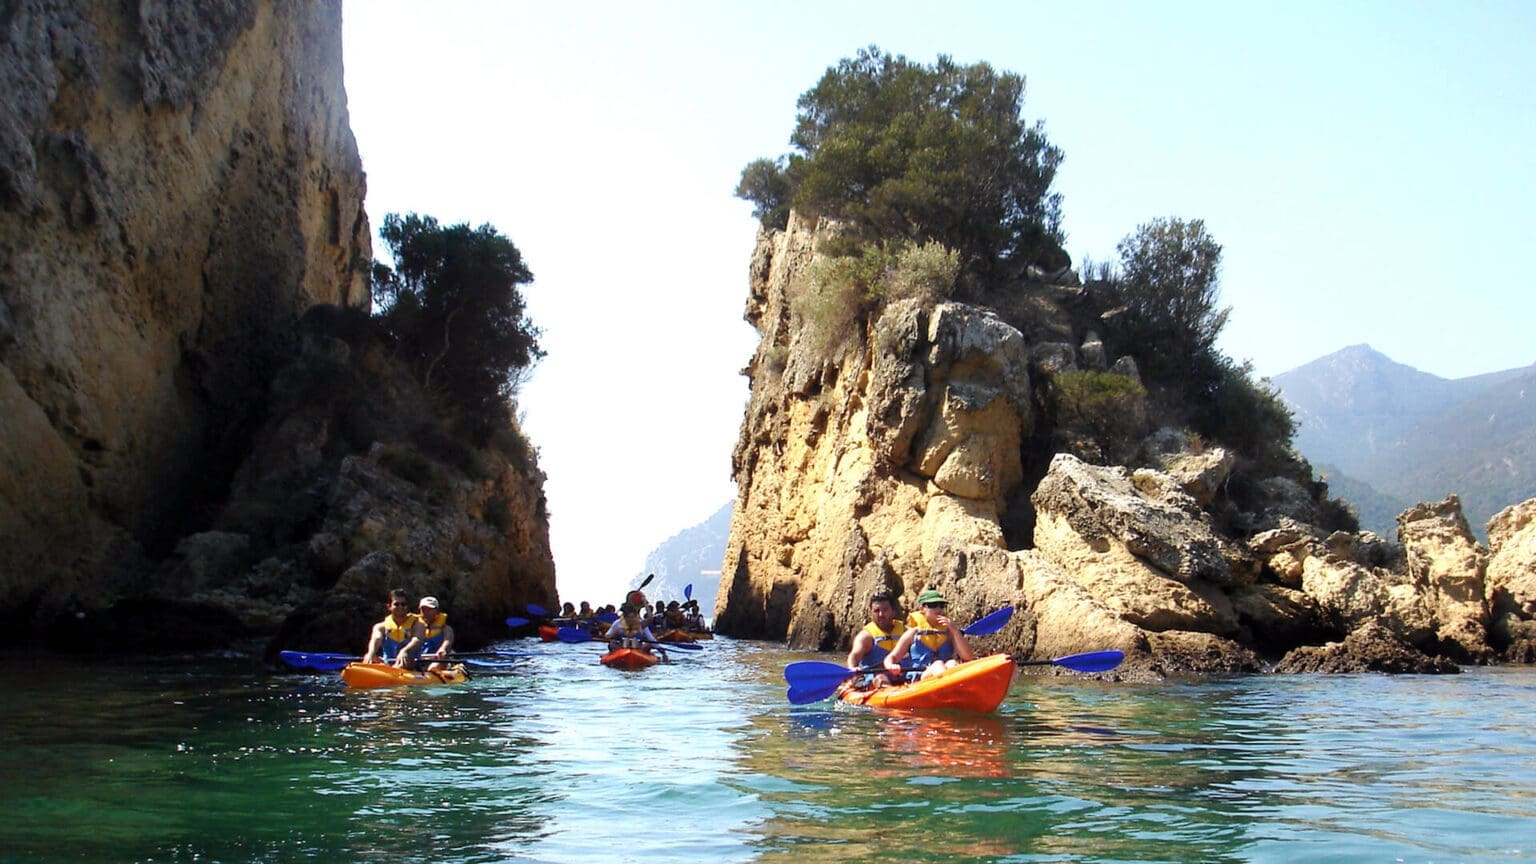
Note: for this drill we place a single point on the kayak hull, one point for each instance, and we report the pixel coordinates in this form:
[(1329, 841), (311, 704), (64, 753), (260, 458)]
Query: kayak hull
[(629, 658), (549, 632), (978, 686), (369, 675), (676, 636)]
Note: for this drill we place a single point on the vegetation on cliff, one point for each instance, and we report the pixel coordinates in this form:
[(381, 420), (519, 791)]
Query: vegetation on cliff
[(895, 150), (935, 188), (452, 310)]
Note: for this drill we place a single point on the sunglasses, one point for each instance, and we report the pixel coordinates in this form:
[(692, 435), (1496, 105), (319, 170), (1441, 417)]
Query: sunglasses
[(935, 605)]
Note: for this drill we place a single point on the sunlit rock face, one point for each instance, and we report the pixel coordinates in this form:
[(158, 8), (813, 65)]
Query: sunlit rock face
[(919, 454)]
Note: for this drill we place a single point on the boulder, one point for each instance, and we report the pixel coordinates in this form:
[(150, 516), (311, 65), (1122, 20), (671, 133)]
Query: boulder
[(1371, 647)]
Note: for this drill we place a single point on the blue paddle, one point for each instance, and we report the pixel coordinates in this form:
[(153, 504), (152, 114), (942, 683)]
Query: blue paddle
[(688, 591), (331, 662)]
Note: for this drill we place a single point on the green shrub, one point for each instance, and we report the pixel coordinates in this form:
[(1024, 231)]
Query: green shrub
[(1107, 406), (410, 465)]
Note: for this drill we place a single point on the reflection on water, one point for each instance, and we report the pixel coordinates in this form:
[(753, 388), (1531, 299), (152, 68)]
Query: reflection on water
[(563, 760)]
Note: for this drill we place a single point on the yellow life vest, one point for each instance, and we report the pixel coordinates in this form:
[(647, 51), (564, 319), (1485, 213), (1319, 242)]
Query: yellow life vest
[(885, 640), (396, 634), (935, 640), (434, 630)]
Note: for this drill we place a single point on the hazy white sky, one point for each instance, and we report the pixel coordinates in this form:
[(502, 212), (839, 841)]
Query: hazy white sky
[(1367, 166)]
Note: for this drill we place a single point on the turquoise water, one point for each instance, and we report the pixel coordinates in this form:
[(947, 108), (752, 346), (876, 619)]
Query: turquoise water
[(558, 759)]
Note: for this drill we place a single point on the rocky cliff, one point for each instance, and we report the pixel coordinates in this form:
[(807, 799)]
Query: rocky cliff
[(928, 454), (178, 185)]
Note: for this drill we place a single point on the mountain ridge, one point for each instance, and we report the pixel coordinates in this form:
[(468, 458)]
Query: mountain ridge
[(1410, 435)]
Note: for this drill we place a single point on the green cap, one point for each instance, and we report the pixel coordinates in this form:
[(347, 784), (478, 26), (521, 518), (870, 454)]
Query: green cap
[(930, 597)]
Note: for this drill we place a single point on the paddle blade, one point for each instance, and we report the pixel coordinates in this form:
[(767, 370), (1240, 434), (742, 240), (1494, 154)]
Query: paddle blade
[(515, 621), (323, 662), (537, 611), (573, 635), (814, 680), (682, 646), (607, 617), (1093, 661), (688, 591), (646, 582), (990, 624)]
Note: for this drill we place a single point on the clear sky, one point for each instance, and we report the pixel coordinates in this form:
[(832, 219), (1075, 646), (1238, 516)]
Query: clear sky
[(1367, 166)]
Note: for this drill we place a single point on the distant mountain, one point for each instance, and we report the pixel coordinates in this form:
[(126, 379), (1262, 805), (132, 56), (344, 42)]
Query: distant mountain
[(690, 557), (1406, 435)]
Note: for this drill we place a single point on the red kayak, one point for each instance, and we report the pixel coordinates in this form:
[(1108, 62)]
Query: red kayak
[(629, 658), (549, 632), (979, 686)]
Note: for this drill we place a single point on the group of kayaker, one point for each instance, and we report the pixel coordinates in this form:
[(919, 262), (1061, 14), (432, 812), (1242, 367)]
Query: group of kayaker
[(925, 644), (405, 637), (676, 616)]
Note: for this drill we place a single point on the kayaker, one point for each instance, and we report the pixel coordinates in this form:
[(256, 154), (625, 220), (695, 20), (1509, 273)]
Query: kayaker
[(436, 636), (931, 638), (629, 631), (398, 637), (876, 640)]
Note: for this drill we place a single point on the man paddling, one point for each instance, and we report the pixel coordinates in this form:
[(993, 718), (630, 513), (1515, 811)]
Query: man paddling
[(933, 640), (437, 635), (877, 639), (397, 638)]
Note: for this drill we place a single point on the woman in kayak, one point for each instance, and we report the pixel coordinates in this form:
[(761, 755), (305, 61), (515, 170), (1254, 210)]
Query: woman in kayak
[(398, 637), (877, 639), (437, 636), (629, 631), (931, 638)]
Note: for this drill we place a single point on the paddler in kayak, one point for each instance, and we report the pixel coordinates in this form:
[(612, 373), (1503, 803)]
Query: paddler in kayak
[(629, 631), (398, 637), (934, 642), (876, 640), (436, 636)]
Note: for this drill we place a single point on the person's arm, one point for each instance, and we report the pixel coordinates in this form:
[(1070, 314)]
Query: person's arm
[(899, 653), (411, 646), (862, 644), (445, 647), (962, 647), (375, 639)]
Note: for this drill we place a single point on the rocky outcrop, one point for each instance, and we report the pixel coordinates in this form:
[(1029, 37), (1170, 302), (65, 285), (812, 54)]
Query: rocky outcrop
[(178, 183), (1510, 581), (353, 485), (923, 454)]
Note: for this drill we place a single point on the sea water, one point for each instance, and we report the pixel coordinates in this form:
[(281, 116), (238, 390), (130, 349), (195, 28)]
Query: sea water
[(553, 758)]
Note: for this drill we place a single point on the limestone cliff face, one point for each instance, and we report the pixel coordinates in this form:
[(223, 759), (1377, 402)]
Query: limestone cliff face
[(202, 442), (178, 182), (924, 455)]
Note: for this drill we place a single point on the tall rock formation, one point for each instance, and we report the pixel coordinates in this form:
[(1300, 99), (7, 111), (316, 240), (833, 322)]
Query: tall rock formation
[(179, 185), (178, 182), (936, 449)]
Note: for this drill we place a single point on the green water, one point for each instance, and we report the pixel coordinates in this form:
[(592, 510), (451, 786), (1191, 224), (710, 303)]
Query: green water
[(558, 759)]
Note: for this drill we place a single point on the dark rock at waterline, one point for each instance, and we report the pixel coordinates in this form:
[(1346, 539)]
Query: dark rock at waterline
[(1370, 648)]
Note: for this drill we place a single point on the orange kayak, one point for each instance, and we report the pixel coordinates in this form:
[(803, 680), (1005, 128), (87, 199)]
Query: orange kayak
[(549, 632), (979, 686), (676, 636), (386, 675), (629, 658)]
